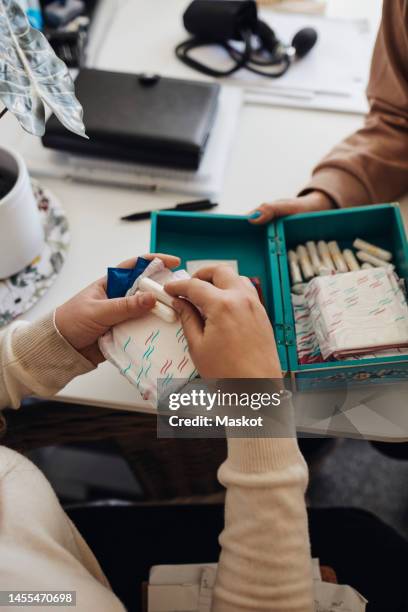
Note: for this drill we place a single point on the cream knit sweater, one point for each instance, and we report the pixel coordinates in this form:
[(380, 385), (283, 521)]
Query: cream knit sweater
[(265, 561)]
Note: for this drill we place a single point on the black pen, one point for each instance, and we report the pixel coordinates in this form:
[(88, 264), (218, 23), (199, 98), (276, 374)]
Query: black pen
[(195, 205)]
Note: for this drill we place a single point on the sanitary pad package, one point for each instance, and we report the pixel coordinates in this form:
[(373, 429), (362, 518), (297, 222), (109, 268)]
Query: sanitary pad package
[(147, 349), (358, 312)]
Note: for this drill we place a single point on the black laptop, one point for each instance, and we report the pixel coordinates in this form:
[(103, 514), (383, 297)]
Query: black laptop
[(142, 118)]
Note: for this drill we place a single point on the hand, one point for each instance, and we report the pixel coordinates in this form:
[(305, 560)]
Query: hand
[(233, 338), (90, 314), (315, 200)]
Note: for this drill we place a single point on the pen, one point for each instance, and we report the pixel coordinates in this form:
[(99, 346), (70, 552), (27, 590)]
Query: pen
[(195, 205)]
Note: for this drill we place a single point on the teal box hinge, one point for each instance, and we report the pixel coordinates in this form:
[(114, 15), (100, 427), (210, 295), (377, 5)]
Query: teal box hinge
[(276, 246), (284, 334), (290, 336)]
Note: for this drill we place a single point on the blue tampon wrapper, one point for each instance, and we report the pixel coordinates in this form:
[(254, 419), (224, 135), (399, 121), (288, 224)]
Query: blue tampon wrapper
[(120, 280)]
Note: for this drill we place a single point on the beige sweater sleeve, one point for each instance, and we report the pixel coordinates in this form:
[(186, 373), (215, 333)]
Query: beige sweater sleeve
[(265, 563), (36, 360), (40, 549), (371, 165)]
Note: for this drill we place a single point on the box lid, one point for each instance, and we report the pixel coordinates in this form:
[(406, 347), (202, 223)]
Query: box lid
[(209, 236)]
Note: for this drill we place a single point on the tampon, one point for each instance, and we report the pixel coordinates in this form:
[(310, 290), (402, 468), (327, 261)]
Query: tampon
[(366, 266), (350, 260), (148, 284), (164, 312), (371, 249), (378, 263), (299, 288), (305, 263), (324, 253), (337, 257), (314, 256), (295, 272), (323, 271)]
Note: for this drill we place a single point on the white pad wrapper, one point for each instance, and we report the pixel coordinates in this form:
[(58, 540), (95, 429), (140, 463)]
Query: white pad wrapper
[(358, 312), (148, 349)]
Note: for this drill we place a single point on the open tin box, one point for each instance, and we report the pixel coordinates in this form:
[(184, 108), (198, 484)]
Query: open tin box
[(261, 251)]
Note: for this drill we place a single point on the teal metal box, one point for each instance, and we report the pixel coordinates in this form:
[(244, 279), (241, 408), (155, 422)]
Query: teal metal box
[(262, 251)]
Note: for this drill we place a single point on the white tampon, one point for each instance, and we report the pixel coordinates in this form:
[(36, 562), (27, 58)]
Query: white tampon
[(323, 271), (305, 263), (147, 284), (350, 260), (164, 312), (371, 249), (375, 261), (295, 272), (366, 266), (324, 253), (337, 257), (299, 288), (314, 256)]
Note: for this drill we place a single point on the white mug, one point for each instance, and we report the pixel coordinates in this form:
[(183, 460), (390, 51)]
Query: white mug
[(21, 231)]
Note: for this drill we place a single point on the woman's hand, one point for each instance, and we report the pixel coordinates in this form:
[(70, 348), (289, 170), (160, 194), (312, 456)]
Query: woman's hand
[(90, 314), (233, 337), (315, 200)]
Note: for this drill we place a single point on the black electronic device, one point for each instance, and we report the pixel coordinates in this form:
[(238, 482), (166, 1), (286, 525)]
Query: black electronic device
[(251, 43)]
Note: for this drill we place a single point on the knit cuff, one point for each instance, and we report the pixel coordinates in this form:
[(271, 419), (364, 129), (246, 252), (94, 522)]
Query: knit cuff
[(258, 455), (342, 187), (48, 360)]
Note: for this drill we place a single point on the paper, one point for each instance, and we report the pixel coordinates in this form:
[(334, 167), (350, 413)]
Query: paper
[(337, 598), (181, 588), (173, 598), (206, 589), (189, 588), (196, 264), (340, 59), (333, 76), (316, 569)]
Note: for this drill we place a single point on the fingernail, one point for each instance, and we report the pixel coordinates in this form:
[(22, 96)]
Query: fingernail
[(255, 215), (177, 304), (147, 300)]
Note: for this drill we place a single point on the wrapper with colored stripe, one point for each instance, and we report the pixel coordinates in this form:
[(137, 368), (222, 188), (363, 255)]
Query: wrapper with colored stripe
[(358, 312), (148, 349)]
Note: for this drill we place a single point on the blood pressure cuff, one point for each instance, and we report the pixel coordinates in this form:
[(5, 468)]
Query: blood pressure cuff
[(220, 20)]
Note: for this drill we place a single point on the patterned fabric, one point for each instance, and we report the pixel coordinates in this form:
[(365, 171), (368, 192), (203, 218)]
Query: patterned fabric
[(20, 292)]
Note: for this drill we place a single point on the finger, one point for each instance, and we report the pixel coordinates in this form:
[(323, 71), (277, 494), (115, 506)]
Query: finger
[(220, 276), (192, 322), (288, 207), (200, 293), (262, 214), (170, 261), (249, 285), (114, 311)]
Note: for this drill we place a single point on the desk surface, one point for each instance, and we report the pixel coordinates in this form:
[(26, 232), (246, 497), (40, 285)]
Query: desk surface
[(273, 154)]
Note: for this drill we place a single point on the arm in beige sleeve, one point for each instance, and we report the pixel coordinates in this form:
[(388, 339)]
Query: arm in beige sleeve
[(371, 166), (36, 360), (265, 563)]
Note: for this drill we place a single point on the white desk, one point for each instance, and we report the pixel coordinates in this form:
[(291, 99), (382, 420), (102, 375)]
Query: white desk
[(274, 152)]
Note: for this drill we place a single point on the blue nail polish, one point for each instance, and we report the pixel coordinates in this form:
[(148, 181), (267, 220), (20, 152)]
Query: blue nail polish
[(255, 215)]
